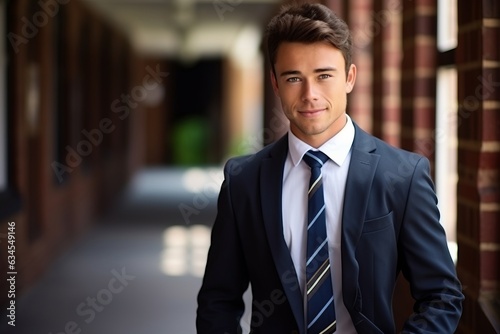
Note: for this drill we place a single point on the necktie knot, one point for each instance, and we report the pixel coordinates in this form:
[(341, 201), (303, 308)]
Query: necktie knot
[(315, 159)]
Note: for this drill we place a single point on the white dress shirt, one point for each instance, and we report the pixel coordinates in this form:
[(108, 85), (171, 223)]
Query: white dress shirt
[(295, 184)]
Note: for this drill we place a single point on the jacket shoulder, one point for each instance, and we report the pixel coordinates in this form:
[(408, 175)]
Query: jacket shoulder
[(388, 153)]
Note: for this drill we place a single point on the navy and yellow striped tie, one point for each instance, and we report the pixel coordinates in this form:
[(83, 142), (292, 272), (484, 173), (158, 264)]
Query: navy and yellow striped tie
[(320, 304)]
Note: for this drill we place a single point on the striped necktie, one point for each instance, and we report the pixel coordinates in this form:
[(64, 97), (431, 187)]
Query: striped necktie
[(320, 304)]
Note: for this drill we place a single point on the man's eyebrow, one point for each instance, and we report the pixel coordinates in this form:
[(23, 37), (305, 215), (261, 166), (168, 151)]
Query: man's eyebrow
[(318, 70), (325, 69)]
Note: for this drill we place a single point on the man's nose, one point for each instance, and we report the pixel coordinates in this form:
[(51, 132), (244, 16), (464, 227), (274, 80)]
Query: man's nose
[(310, 91)]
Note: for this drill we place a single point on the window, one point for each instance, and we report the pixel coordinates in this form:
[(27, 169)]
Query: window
[(446, 120), (447, 25)]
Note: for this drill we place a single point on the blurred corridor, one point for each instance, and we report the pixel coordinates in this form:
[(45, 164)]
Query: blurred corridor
[(137, 270), (116, 117)]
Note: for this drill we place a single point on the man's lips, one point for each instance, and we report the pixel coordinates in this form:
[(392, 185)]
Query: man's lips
[(311, 112)]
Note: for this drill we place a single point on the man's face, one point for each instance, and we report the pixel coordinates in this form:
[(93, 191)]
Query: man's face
[(312, 85)]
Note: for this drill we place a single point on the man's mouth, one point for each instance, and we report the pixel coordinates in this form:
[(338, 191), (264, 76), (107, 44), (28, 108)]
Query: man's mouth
[(311, 112)]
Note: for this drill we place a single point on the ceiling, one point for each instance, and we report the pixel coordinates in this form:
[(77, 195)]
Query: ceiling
[(190, 28)]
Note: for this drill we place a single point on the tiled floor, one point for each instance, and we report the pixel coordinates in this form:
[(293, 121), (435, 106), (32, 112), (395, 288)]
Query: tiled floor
[(138, 270)]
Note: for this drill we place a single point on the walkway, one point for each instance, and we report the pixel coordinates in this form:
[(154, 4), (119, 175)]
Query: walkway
[(138, 270)]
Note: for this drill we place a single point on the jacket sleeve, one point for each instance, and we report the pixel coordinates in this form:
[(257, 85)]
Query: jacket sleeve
[(220, 303), (426, 262)]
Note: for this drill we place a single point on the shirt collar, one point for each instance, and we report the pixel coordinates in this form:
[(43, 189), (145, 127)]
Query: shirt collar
[(336, 148)]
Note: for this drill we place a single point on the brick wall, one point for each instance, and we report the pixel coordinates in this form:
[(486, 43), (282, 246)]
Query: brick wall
[(57, 80), (360, 19), (387, 58), (339, 7), (418, 77), (478, 223)]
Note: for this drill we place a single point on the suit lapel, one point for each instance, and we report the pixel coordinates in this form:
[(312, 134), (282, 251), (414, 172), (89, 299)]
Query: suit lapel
[(359, 179), (271, 181)]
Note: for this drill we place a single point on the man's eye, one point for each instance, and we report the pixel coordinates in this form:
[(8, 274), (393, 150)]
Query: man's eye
[(293, 79), (325, 76)]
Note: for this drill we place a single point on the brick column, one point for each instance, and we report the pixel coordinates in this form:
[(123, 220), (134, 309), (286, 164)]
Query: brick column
[(337, 6), (361, 22), (387, 70), (418, 84), (387, 45), (478, 122)]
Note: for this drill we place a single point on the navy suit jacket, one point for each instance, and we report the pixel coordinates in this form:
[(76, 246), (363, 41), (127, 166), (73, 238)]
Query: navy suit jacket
[(390, 224)]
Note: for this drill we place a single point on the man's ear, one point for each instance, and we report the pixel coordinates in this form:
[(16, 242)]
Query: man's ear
[(274, 82), (351, 79)]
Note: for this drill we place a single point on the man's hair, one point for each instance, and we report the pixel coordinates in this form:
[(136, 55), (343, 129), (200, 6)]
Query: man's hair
[(308, 23)]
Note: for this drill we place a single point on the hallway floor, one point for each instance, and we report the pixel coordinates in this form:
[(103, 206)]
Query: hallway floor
[(138, 270)]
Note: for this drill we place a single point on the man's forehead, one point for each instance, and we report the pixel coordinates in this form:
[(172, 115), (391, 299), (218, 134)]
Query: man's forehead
[(308, 55)]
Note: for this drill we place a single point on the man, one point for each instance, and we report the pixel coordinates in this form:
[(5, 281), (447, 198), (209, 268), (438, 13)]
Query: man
[(321, 237)]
